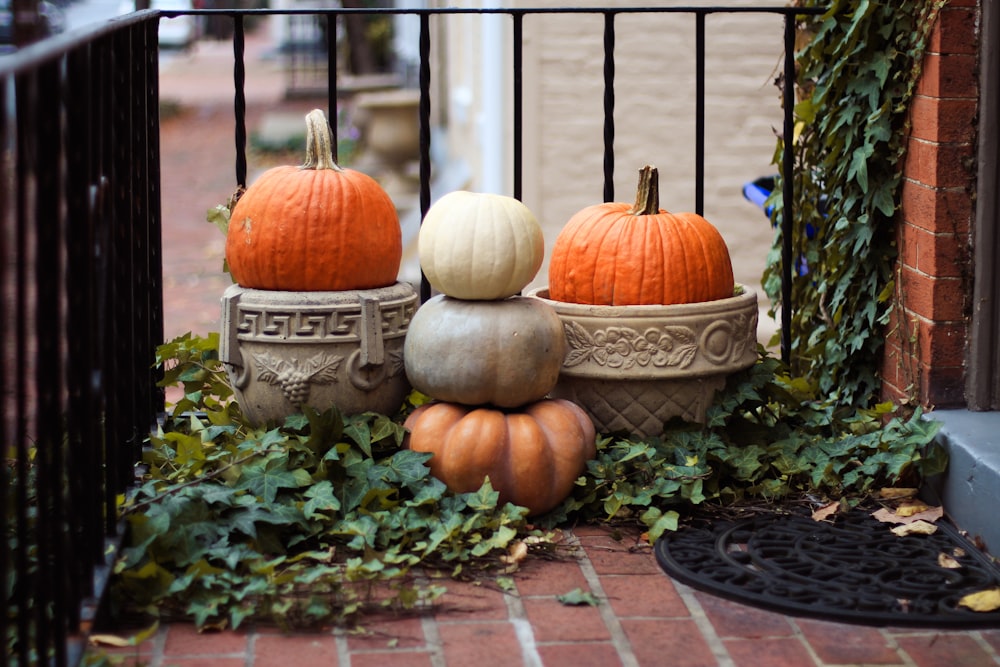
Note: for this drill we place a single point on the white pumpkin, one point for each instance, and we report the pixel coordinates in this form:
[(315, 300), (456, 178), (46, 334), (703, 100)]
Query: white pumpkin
[(480, 246)]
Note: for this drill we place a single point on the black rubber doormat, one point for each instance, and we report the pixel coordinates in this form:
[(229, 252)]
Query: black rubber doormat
[(851, 570)]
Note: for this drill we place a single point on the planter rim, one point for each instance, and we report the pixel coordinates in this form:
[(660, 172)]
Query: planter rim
[(745, 296), (248, 295)]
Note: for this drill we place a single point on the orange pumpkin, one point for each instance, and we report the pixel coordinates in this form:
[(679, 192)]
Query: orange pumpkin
[(617, 254), (532, 455), (317, 227)]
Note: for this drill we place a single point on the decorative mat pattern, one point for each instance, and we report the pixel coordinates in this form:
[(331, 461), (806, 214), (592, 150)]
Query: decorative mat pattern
[(852, 569)]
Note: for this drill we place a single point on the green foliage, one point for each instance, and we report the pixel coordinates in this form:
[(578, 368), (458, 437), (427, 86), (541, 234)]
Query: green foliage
[(856, 73), (768, 437), (326, 516)]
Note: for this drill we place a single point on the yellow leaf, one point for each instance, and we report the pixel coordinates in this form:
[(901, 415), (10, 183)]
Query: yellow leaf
[(515, 553), (109, 640), (890, 493), (915, 528), (988, 600), (911, 507), (944, 560), (930, 514), (118, 641)]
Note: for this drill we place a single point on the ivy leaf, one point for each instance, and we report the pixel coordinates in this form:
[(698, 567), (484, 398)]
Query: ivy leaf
[(384, 428), (659, 522), (483, 500), (430, 492), (321, 499), (406, 467), (267, 479), (357, 429), (325, 428), (578, 597), (859, 166)]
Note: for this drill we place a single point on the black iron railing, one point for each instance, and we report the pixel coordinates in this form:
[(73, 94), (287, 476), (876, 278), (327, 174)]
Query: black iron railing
[(81, 282), (330, 16), (81, 312)]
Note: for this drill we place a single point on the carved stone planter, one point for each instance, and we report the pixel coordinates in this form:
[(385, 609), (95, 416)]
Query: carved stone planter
[(632, 368), (283, 350)]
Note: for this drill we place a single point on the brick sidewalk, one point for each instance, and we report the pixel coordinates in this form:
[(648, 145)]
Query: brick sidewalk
[(642, 619)]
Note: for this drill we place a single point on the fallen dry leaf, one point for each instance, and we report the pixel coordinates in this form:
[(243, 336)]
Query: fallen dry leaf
[(911, 507), (515, 553), (886, 515), (891, 493), (110, 640), (988, 600), (915, 528), (826, 511), (944, 560)]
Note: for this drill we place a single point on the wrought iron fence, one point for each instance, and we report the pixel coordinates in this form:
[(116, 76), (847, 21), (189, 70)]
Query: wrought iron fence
[(81, 283), (81, 312)]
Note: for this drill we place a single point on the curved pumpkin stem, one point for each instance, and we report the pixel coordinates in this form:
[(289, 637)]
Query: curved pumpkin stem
[(647, 196), (319, 143)]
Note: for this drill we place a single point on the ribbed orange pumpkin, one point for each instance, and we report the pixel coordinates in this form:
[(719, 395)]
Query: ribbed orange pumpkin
[(532, 455), (617, 254), (317, 227)]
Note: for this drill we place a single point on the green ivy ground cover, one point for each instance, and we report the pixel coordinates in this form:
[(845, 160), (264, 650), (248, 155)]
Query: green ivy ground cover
[(327, 516)]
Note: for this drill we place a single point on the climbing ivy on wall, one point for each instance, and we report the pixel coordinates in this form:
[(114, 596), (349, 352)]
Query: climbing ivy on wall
[(857, 69)]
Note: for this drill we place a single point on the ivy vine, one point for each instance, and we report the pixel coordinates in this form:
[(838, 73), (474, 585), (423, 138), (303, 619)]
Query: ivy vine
[(326, 516), (857, 69)]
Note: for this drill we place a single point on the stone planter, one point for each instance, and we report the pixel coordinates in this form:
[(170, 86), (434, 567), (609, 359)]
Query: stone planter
[(283, 350), (632, 368)]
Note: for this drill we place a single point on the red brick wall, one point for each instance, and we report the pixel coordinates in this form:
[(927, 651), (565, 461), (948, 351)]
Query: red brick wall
[(925, 350)]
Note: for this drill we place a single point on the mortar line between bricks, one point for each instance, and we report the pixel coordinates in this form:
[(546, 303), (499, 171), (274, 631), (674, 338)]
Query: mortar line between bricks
[(250, 647), (986, 646), (518, 618), (160, 645), (704, 625), (343, 648), (892, 641), (801, 636), (432, 640), (618, 637)]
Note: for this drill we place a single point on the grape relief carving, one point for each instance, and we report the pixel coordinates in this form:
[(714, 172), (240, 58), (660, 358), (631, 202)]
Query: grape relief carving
[(624, 347), (294, 378)]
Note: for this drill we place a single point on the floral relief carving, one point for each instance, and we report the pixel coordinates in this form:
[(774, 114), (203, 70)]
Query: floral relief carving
[(624, 347)]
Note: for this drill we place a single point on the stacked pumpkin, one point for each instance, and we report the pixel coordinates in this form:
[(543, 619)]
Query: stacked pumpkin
[(654, 321), (490, 357), (317, 315)]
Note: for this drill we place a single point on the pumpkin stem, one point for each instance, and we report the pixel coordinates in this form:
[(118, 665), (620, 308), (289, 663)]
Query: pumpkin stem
[(319, 143), (647, 197)]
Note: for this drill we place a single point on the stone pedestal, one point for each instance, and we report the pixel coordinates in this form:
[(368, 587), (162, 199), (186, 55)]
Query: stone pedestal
[(632, 368), (283, 350), (391, 136)]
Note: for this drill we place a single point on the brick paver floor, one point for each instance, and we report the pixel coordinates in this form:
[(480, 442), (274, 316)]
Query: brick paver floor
[(643, 618)]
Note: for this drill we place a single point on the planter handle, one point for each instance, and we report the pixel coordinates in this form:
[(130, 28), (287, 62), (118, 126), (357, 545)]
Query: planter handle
[(372, 345)]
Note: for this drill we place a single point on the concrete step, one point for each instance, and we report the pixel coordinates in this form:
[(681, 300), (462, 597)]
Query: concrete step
[(970, 488)]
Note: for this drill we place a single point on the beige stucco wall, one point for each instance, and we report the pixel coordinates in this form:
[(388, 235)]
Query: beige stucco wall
[(654, 113)]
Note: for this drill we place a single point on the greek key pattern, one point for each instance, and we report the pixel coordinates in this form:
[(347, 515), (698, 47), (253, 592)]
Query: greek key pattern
[(329, 324)]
